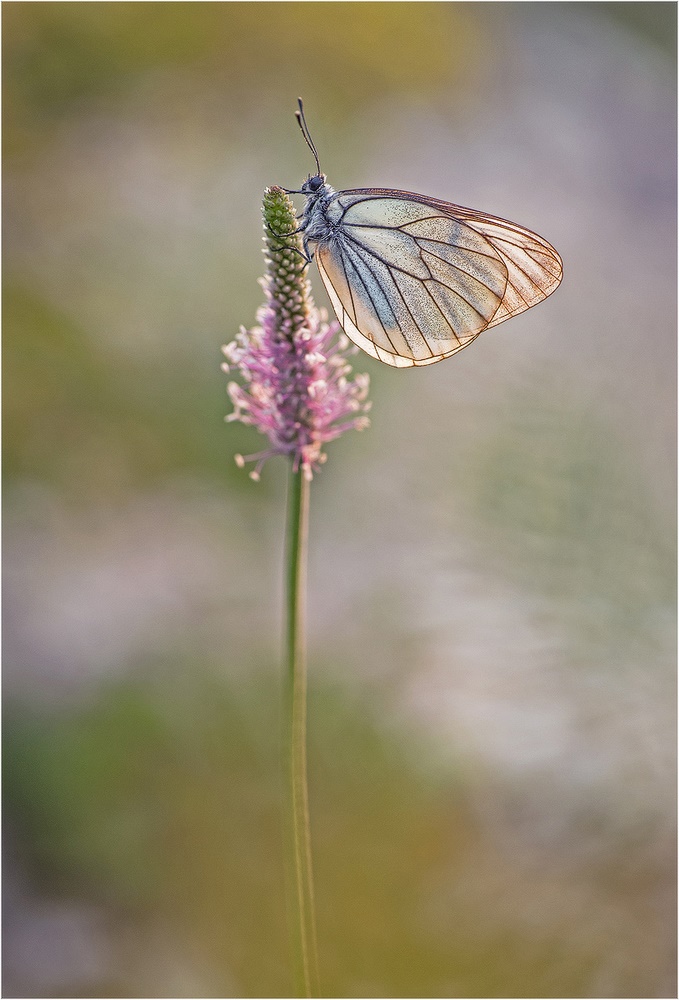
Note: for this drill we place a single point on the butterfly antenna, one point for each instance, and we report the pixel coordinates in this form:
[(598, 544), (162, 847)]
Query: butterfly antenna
[(301, 121)]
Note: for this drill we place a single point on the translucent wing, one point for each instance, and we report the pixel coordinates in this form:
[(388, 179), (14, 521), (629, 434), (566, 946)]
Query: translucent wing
[(413, 279)]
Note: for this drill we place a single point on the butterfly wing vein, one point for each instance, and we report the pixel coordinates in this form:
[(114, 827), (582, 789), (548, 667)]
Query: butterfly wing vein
[(413, 280)]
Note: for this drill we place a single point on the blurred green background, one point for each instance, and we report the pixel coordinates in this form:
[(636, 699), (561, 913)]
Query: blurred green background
[(492, 607)]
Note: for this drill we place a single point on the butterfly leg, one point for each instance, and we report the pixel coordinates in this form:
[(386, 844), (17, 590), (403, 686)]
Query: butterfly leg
[(305, 257), (282, 236)]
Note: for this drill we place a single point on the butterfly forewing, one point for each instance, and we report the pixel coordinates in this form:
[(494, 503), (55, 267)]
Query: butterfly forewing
[(534, 268), (414, 279)]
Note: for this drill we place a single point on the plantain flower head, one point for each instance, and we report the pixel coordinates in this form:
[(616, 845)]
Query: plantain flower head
[(294, 381)]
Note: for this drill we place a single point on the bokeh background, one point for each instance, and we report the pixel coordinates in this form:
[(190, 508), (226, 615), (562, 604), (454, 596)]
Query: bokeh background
[(492, 607)]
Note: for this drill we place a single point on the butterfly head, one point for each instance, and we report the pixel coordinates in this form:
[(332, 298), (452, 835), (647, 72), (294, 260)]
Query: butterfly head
[(312, 185)]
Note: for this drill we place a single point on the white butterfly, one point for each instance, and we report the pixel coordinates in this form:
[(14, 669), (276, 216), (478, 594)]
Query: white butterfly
[(413, 279)]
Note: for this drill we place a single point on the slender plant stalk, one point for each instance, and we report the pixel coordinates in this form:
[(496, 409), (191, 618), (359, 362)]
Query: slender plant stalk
[(294, 385), (300, 878)]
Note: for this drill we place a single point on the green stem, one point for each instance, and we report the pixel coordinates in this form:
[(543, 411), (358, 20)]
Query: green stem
[(300, 879)]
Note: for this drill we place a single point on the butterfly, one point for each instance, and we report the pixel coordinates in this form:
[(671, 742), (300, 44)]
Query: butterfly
[(414, 279)]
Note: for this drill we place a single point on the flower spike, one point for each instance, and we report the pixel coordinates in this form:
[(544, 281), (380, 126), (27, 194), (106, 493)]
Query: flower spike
[(295, 381)]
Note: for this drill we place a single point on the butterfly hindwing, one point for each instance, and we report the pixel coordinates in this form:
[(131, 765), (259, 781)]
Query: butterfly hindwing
[(416, 292)]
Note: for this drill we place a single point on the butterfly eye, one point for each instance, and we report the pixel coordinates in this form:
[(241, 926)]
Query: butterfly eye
[(314, 183)]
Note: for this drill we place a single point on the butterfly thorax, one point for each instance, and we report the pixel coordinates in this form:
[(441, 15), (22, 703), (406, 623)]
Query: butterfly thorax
[(316, 224)]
